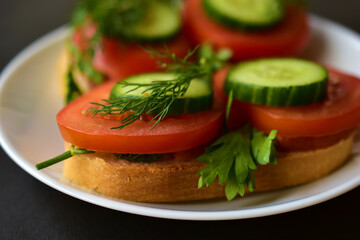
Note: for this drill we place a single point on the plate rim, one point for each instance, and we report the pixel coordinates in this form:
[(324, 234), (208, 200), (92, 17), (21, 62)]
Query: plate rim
[(129, 207)]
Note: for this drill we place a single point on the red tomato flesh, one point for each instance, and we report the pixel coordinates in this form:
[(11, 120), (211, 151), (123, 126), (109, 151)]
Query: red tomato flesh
[(173, 134), (122, 59), (339, 112), (284, 144), (287, 38), (82, 35), (117, 59)]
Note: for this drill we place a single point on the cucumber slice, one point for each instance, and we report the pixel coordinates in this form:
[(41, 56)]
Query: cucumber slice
[(162, 21), (245, 14), (278, 82), (198, 96)]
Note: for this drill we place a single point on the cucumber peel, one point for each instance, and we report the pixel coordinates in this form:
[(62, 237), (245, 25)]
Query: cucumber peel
[(278, 82), (245, 14)]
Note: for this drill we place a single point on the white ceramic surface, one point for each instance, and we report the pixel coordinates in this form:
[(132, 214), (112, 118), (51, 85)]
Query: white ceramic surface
[(29, 101)]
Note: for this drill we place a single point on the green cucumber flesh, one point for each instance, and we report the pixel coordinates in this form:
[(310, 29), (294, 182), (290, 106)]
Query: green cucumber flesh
[(162, 21), (245, 14), (198, 96), (278, 82)]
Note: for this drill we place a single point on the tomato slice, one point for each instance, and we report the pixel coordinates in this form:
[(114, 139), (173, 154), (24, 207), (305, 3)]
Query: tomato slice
[(82, 35), (338, 113), (118, 59), (173, 134), (285, 39), (284, 144)]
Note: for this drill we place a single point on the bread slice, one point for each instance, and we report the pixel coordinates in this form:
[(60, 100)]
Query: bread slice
[(172, 180)]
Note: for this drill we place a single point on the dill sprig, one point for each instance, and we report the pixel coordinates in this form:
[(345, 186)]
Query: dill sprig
[(162, 94)]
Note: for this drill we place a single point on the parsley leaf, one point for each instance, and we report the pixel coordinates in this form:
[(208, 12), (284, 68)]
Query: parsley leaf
[(228, 109), (234, 157), (263, 148)]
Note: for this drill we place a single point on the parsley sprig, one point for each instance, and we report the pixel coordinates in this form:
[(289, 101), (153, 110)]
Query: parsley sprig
[(234, 157), (162, 94)]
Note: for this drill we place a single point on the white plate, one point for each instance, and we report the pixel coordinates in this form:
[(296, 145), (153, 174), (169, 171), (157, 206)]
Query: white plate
[(29, 101)]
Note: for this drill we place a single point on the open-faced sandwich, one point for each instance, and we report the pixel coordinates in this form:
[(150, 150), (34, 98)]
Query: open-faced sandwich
[(251, 28), (189, 134), (106, 38)]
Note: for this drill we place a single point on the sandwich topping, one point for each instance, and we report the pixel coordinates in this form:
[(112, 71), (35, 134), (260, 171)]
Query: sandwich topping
[(181, 105), (133, 20), (184, 92), (234, 157), (261, 28), (106, 33)]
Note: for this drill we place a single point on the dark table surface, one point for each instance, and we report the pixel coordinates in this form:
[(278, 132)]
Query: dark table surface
[(30, 209)]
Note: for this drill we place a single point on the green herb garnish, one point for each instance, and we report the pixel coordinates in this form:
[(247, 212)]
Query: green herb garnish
[(62, 157), (126, 156), (234, 157), (84, 63), (227, 112), (72, 90), (140, 157), (161, 94), (263, 148)]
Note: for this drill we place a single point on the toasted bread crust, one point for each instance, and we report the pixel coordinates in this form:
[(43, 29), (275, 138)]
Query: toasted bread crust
[(170, 180)]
